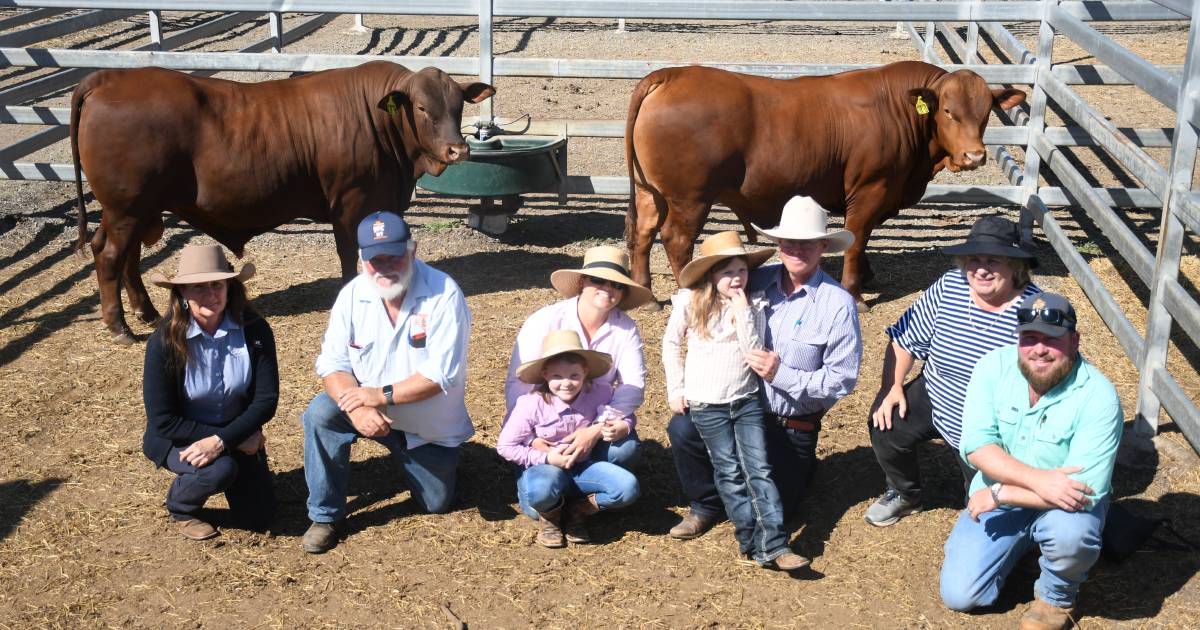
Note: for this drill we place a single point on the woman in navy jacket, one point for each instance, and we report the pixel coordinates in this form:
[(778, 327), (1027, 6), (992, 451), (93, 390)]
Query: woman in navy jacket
[(210, 383)]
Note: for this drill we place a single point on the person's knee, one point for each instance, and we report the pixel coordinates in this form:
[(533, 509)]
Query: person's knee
[(320, 413), (625, 453), (1071, 535), (959, 596), (440, 503), (624, 491), (543, 490), (219, 474)]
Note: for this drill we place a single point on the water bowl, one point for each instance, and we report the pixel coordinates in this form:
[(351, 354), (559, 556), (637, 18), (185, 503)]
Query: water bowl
[(502, 166)]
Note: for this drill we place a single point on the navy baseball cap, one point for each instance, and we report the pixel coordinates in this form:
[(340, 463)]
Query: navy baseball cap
[(383, 234), (1048, 313)]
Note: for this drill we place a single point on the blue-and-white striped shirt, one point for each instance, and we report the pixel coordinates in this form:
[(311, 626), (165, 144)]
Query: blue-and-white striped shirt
[(950, 333), (815, 333)]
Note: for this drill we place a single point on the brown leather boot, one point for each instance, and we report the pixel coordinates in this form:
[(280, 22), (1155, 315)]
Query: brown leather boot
[(550, 529), (575, 519), (692, 526), (196, 529), (1043, 615)]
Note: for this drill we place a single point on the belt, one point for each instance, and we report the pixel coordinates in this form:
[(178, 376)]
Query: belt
[(806, 422)]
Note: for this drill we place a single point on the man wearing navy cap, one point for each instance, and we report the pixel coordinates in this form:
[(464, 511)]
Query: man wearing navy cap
[(394, 365), (1041, 425)]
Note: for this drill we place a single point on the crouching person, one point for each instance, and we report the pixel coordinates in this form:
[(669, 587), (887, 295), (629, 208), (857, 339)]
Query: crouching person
[(1042, 426), (393, 361), (561, 486)]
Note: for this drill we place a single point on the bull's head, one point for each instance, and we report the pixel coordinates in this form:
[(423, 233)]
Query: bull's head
[(959, 104), (428, 107)]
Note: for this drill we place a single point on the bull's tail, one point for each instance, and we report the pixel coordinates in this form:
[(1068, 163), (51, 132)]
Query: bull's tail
[(77, 97), (644, 87)]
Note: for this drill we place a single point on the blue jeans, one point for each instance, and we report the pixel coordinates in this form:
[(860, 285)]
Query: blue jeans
[(736, 441), (620, 454), (979, 556), (543, 488), (429, 470)]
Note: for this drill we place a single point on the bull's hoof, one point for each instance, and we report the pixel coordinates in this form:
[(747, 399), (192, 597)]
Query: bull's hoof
[(863, 307), (150, 317), (653, 306), (123, 339)]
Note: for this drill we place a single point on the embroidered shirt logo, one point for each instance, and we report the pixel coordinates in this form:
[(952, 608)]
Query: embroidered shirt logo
[(416, 334)]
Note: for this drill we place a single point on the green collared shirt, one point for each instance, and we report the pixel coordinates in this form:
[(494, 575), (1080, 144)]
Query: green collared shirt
[(1078, 423)]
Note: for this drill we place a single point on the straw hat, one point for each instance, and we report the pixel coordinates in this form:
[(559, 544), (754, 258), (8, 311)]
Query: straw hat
[(202, 263), (558, 342), (716, 249), (803, 219), (609, 263)]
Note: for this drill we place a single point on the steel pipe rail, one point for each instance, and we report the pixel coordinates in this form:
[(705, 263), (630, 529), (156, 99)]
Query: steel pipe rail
[(58, 28), (1182, 7), (1189, 210), (1183, 411), (284, 62)]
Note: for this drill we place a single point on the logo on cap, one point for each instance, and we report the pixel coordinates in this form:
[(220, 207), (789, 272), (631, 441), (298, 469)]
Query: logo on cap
[(379, 230), (1039, 303)]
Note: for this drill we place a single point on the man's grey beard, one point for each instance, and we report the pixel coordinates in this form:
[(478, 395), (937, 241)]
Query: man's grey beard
[(1043, 384), (398, 287)]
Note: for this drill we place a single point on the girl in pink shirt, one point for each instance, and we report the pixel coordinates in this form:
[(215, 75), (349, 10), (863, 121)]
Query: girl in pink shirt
[(560, 489)]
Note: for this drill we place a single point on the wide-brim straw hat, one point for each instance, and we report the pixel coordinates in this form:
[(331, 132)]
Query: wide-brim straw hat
[(994, 236), (560, 342), (203, 263), (716, 249), (609, 263), (803, 219)]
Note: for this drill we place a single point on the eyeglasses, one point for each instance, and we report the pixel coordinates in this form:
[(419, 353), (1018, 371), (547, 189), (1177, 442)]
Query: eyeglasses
[(602, 282), (1052, 316)]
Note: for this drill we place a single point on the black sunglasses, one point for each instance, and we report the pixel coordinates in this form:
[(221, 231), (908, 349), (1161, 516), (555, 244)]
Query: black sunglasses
[(602, 282), (1052, 316)]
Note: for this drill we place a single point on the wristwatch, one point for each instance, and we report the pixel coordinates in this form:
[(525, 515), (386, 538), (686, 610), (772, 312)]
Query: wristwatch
[(995, 488), (387, 394)]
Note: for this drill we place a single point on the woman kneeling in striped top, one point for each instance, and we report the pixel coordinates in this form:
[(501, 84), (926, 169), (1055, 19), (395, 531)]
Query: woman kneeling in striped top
[(721, 323)]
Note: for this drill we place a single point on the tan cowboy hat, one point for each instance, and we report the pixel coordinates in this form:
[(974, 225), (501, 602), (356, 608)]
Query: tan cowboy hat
[(803, 219), (609, 263), (202, 263), (716, 249), (559, 342)]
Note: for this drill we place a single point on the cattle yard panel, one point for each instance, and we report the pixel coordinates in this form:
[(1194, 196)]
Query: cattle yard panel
[(1167, 188)]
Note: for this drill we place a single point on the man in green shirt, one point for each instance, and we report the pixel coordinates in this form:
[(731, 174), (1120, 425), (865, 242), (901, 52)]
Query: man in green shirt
[(1041, 425)]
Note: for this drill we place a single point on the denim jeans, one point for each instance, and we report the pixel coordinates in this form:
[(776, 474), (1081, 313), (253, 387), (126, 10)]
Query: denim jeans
[(736, 441), (979, 556), (245, 480), (623, 453), (544, 487), (429, 470)]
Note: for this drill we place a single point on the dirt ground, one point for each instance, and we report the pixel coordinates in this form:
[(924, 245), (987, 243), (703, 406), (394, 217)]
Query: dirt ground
[(84, 541)]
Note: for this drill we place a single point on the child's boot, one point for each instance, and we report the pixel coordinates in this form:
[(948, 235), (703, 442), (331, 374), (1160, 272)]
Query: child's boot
[(575, 520), (550, 533)]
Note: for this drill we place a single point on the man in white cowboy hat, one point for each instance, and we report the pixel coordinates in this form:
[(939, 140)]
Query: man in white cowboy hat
[(811, 361), (394, 365)]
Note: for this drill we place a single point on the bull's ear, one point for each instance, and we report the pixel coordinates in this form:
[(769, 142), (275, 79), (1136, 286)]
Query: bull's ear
[(924, 100), (1008, 98), (392, 102), (476, 92)]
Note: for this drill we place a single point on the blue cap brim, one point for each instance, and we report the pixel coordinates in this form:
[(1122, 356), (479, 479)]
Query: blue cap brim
[(385, 249)]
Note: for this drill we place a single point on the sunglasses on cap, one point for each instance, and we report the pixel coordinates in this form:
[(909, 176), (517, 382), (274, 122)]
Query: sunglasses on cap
[(1052, 316), (602, 282)]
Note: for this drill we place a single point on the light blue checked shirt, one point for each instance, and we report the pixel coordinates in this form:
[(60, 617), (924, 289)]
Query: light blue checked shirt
[(815, 333)]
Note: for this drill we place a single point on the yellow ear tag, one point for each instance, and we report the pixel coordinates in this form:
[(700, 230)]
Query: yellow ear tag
[(391, 105), (922, 108)]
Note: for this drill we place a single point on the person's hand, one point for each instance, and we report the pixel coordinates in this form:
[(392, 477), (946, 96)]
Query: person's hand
[(679, 405), (980, 502), (202, 452), (370, 422), (556, 457), (885, 402), (1059, 490), (737, 299), (356, 397), (251, 445), (581, 442), (765, 363), (539, 444), (613, 430)]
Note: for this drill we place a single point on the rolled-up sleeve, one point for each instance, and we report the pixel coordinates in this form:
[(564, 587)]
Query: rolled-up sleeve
[(447, 337), (335, 354), (838, 373), (979, 424)]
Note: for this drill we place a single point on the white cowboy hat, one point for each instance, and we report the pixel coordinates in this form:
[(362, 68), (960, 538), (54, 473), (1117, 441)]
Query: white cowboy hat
[(716, 249), (609, 263), (202, 263), (558, 342), (803, 219)]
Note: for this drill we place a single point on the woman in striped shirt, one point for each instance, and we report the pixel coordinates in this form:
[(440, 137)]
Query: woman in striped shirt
[(968, 312)]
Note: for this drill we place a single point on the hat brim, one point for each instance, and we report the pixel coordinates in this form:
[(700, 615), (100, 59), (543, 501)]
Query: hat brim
[(569, 282), (839, 240), (398, 248), (1050, 330), (247, 271), (598, 364), (991, 249), (696, 270)]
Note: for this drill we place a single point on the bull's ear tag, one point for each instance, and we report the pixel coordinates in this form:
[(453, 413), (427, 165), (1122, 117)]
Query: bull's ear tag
[(391, 105), (922, 108)]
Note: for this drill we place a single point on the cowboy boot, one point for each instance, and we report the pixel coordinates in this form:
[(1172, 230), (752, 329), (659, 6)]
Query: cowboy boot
[(1043, 615), (549, 529), (575, 520)]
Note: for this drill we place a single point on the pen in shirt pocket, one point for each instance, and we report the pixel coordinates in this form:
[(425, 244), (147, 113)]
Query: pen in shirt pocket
[(355, 346)]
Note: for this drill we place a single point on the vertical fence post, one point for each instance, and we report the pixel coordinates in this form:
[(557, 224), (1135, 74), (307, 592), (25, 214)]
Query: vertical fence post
[(930, 38), (1037, 118), (972, 43), (1170, 243), (358, 22), (276, 21), (156, 29), (486, 108)]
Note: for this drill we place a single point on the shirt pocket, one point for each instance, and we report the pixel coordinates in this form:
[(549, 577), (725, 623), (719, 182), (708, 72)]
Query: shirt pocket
[(360, 358), (804, 349), (1055, 434)]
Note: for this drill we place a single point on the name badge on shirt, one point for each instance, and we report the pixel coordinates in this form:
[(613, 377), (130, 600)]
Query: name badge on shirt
[(416, 332)]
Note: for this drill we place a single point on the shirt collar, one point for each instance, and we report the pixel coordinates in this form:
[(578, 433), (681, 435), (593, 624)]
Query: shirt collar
[(775, 280), (226, 326)]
